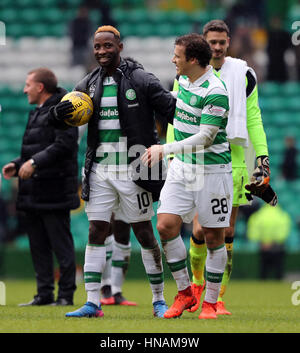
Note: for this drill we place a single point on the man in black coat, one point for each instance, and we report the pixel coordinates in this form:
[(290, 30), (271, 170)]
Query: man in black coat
[(48, 189), (126, 101)]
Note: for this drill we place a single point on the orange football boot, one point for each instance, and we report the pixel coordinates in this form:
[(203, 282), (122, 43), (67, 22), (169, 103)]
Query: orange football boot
[(208, 311), (197, 291), (221, 310), (181, 303)]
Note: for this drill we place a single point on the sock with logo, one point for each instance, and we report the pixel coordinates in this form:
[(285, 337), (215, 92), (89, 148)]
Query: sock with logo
[(175, 252), (120, 262), (95, 259), (215, 266), (153, 266)]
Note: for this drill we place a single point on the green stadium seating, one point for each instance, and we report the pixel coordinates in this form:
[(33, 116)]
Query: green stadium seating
[(137, 16), (269, 89), (30, 15), (179, 17), (158, 17), (126, 29), (15, 30), (292, 103), (290, 88), (8, 15), (144, 29), (53, 15), (165, 30)]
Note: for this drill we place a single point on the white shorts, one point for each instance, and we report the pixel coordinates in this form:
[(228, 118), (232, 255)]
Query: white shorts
[(119, 215), (212, 201), (108, 195)]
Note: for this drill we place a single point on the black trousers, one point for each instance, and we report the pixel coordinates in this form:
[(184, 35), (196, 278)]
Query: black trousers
[(272, 264), (49, 232)]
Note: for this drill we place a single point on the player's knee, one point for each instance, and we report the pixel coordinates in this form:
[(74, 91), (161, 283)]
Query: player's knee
[(213, 237), (98, 231), (165, 230), (121, 232)]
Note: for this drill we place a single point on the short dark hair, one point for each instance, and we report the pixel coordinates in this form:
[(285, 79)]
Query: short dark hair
[(195, 47), (46, 77), (215, 26)]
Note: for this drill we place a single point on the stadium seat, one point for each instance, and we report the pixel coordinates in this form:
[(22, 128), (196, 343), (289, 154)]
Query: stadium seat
[(165, 30), (9, 16), (157, 17), (52, 15), (292, 103), (30, 15), (119, 15), (290, 89), (200, 17), (15, 30), (138, 16), (179, 17), (269, 89), (143, 29)]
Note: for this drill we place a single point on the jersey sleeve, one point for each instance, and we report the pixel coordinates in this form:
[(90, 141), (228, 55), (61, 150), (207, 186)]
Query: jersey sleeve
[(254, 120), (215, 109)]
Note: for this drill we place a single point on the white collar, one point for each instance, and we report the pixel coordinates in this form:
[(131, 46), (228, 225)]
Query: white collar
[(202, 78)]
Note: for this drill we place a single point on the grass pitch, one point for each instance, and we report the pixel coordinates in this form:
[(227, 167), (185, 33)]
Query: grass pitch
[(257, 307)]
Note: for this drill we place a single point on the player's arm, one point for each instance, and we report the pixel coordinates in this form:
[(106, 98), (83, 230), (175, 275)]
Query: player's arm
[(162, 101), (254, 120), (256, 130), (213, 116), (259, 182)]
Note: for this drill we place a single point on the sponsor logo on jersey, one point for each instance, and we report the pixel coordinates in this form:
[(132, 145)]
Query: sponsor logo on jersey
[(186, 117), (109, 113)]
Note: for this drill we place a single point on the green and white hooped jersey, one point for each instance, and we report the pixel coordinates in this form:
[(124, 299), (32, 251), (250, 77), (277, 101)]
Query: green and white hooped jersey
[(204, 101), (112, 150)]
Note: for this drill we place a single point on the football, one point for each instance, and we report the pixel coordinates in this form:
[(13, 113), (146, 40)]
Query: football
[(83, 108)]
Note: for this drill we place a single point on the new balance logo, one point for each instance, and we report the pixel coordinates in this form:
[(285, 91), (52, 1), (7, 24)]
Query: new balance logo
[(221, 219)]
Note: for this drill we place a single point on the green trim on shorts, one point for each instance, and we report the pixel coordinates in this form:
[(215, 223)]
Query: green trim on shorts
[(96, 245)]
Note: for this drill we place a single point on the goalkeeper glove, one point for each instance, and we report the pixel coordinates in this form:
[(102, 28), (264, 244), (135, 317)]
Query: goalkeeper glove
[(266, 193), (259, 183), (261, 175), (62, 110)]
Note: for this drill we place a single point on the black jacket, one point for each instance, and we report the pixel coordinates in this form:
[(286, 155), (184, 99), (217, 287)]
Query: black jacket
[(54, 184), (137, 113)]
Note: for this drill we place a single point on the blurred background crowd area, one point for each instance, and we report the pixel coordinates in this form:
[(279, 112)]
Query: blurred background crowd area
[(58, 34)]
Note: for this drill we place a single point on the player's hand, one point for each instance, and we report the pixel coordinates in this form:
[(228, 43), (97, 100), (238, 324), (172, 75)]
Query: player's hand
[(266, 193), (26, 170), (261, 175), (9, 170), (63, 110), (152, 155)]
